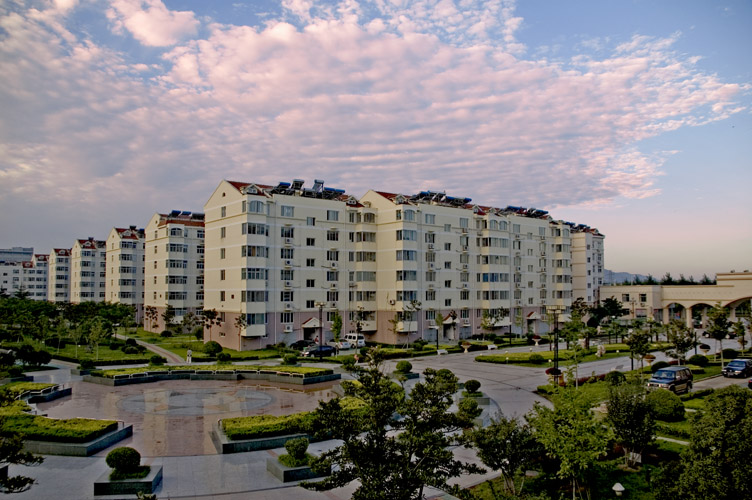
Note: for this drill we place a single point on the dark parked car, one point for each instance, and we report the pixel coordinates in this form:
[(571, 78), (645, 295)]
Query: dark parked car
[(738, 368), (319, 351), (301, 344), (674, 378)]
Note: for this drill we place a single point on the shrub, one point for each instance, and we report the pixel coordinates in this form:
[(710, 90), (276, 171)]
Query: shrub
[(297, 448), (418, 345), (404, 366), (198, 332), (364, 352), (131, 342), (348, 362), (472, 386), (86, 364), (115, 345), (290, 359), (698, 360), (536, 358), (730, 353), (157, 360), (124, 459), (658, 365), (615, 377), (165, 333), (223, 357), (666, 405), (129, 349), (212, 348)]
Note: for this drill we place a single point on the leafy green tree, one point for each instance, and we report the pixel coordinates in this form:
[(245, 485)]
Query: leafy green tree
[(211, 318), (639, 345), (337, 326), (718, 325), (393, 457), (716, 465), (99, 330), (506, 446), (12, 453), (631, 419), (740, 331), (168, 316), (570, 434), (681, 339), (439, 319), (151, 314)]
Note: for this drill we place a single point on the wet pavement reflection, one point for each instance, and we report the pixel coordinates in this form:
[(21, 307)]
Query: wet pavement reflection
[(175, 418)]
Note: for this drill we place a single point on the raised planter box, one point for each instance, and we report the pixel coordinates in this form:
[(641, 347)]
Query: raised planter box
[(407, 376), (481, 400), (224, 445), (79, 449), (44, 397), (104, 486), (76, 371), (269, 375), (289, 474)]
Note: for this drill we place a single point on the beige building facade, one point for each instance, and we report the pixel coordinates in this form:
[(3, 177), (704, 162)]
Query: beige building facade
[(28, 276), (59, 275), (588, 263), (687, 303), (88, 271), (174, 266), (125, 268), (279, 257)]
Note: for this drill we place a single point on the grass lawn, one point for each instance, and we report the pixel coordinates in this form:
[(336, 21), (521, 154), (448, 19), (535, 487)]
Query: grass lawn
[(103, 353)]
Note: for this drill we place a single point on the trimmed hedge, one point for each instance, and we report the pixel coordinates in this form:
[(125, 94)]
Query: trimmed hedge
[(698, 360), (73, 430), (259, 426), (124, 459), (14, 389)]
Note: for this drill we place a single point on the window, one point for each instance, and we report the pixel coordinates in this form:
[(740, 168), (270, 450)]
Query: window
[(332, 215), (200, 234), (332, 296), (410, 215), (398, 215), (643, 297), (310, 221), (464, 222), (255, 319), (286, 296), (625, 297), (310, 304), (254, 251), (288, 211), (430, 275), (310, 242), (222, 253), (447, 265), (465, 295), (447, 302), (253, 295), (221, 295), (407, 235), (404, 275), (430, 238), (254, 228), (310, 262), (287, 232), (222, 232), (447, 283), (286, 274), (430, 295), (285, 317), (332, 255), (176, 231), (332, 276), (430, 219), (286, 253), (332, 235), (406, 255), (447, 247), (256, 207), (253, 273), (310, 283), (221, 274), (223, 212)]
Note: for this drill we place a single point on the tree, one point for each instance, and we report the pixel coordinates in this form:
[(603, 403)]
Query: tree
[(12, 453), (570, 433), (151, 314), (439, 319), (716, 465), (631, 418), (681, 337), (740, 331), (336, 326), (639, 345), (718, 325), (99, 329), (506, 446), (168, 316), (393, 457), (211, 318)]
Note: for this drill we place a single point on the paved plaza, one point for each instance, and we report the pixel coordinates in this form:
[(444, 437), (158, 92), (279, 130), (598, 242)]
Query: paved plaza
[(172, 420)]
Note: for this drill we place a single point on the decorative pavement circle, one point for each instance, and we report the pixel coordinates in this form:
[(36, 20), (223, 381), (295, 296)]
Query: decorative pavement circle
[(195, 402)]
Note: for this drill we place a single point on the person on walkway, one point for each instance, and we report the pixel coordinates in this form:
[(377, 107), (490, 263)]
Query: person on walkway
[(188, 356)]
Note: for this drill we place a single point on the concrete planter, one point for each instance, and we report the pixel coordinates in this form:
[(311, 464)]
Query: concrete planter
[(268, 375), (289, 474), (481, 400), (44, 397), (79, 449), (104, 486), (224, 445), (407, 376)]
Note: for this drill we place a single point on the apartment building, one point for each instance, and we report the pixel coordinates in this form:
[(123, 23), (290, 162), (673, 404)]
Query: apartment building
[(59, 275), (16, 254), (395, 267), (588, 263), (174, 266), (29, 277), (125, 268), (88, 271)]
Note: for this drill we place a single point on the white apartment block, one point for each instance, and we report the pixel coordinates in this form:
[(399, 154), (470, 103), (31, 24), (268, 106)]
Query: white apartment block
[(59, 275), (125, 268), (88, 271), (280, 256), (174, 266), (29, 277), (588, 263)]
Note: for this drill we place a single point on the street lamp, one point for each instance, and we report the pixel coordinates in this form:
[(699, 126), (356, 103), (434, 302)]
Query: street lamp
[(321, 305), (555, 311)]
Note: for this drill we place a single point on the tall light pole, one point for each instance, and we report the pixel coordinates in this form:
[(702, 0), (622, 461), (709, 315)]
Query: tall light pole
[(554, 311), (321, 305)]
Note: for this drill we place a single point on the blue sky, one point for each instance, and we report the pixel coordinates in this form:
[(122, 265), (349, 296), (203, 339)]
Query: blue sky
[(629, 116)]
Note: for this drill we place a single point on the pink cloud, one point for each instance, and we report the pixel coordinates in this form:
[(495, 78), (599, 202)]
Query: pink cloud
[(151, 23)]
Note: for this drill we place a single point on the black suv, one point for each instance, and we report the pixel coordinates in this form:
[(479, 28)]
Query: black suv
[(301, 344), (319, 351), (674, 378), (738, 368)]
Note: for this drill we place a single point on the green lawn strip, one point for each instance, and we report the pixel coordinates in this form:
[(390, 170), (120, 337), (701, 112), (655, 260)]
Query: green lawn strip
[(289, 461), (305, 370), (104, 354), (179, 344), (678, 430), (670, 446), (14, 389)]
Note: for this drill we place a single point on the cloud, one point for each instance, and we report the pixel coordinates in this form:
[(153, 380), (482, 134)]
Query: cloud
[(151, 23), (363, 101)]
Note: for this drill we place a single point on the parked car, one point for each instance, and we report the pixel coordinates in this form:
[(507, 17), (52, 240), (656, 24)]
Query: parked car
[(674, 378), (749, 383), (342, 344), (301, 344), (319, 351), (738, 368), (356, 339)]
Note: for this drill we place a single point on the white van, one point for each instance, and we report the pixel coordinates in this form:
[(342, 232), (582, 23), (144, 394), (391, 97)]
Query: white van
[(356, 340)]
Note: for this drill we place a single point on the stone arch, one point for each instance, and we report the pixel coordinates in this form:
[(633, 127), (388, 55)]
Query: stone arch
[(675, 310)]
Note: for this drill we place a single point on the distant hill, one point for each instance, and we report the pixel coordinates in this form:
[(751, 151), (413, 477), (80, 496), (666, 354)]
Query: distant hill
[(614, 278)]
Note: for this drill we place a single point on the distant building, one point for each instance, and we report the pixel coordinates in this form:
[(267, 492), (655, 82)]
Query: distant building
[(59, 275), (16, 254), (29, 277), (174, 266), (688, 303), (88, 271), (125, 268), (280, 256)]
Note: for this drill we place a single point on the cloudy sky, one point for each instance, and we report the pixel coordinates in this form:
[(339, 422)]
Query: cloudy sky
[(630, 116)]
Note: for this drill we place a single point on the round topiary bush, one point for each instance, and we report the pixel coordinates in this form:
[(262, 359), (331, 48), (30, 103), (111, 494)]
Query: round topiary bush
[(131, 342), (166, 333), (730, 353), (290, 359), (87, 364), (472, 385), (223, 357), (124, 459), (212, 348), (615, 377), (129, 349), (418, 345), (157, 360), (698, 360), (658, 365), (536, 358), (666, 405), (404, 366)]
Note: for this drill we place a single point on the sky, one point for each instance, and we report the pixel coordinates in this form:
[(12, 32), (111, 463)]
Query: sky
[(631, 116)]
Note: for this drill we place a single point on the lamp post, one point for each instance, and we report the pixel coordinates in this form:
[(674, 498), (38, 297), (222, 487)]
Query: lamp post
[(555, 310), (321, 305)]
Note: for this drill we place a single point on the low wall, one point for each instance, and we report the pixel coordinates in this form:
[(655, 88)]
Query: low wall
[(224, 445), (79, 449), (44, 397), (104, 486), (264, 375)]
